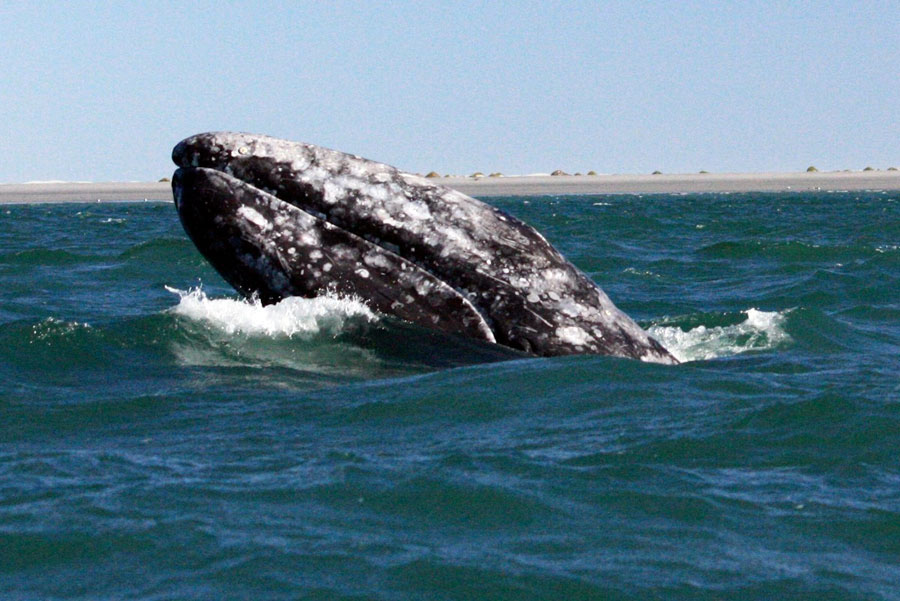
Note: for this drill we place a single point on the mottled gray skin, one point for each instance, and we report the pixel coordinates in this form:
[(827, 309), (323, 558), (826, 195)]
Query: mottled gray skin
[(489, 275), (270, 249)]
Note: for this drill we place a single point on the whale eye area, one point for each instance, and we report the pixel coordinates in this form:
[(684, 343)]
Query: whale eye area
[(243, 150)]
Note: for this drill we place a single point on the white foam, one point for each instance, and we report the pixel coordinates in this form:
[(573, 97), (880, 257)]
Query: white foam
[(762, 330), (292, 317)]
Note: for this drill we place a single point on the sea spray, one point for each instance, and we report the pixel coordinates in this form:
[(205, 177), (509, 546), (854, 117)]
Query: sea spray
[(761, 330), (292, 317), (328, 315)]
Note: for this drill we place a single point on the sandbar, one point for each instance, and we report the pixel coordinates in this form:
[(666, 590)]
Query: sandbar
[(531, 185), (674, 183)]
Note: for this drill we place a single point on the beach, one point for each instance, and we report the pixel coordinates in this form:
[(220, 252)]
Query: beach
[(530, 185)]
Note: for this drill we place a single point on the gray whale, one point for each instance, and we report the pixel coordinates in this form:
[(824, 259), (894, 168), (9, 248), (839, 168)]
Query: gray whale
[(278, 218)]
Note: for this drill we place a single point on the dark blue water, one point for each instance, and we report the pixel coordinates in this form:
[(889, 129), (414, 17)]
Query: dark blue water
[(177, 443)]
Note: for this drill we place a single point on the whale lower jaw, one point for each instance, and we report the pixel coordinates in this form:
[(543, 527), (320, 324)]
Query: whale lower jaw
[(278, 218)]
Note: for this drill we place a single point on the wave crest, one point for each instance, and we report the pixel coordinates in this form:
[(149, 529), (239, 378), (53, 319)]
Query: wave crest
[(291, 317), (761, 330)]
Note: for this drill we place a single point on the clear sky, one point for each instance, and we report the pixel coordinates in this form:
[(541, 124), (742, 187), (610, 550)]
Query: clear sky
[(101, 91)]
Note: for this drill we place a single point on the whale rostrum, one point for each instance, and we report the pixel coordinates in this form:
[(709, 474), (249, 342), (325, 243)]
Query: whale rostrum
[(278, 218)]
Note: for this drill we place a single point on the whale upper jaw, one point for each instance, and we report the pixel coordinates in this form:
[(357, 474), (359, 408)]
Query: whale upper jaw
[(279, 218)]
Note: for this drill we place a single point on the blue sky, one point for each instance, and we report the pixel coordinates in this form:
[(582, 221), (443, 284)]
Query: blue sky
[(102, 91)]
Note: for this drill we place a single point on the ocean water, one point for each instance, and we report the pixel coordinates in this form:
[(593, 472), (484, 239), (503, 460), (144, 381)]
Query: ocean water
[(161, 439)]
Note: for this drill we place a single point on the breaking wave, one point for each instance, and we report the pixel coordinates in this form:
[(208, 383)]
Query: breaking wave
[(760, 331), (291, 317)]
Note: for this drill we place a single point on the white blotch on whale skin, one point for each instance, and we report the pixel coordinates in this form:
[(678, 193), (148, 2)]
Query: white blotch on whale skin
[(357, 167), (571, 308), (300, 163), (316, 175), (556, 275), (253, 216), (417, 210), (377, 260), (423, 287), (309, 238), (386, 219), (331, 192), (342, 252), (460, 242), (376, 193), (573, 335)]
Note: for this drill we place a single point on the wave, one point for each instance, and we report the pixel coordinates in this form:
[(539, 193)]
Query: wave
[(329, 334), (159, 249), (330, 315), (760, 331), (307, 342), (327, 339), (788, 251), (293, 316), (46, 257)]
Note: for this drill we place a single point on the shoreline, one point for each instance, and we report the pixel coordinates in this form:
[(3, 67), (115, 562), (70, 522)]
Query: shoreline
[(62, 192)]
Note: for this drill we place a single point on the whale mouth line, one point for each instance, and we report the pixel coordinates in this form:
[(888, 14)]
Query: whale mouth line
[(402, 252), (389, 247), (278, 235)]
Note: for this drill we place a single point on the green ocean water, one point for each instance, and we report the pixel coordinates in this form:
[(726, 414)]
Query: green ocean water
[(161, 439)]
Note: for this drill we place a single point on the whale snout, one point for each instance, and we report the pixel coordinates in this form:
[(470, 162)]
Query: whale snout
[(178, 152)]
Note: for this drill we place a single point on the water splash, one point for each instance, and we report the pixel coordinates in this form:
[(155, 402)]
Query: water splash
[(291, 317), (329, 315), (761, 330)]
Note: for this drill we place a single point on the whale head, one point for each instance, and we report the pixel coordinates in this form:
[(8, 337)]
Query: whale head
[(279, 218)]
